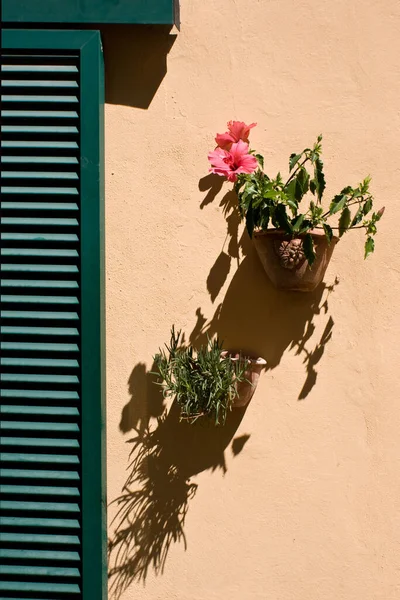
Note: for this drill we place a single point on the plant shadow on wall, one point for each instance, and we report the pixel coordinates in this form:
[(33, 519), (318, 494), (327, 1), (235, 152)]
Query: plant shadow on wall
[(165, 454), (254, 316)]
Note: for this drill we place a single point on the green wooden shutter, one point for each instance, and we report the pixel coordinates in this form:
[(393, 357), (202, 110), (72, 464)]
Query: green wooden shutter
[(156, 12), (52, 540)]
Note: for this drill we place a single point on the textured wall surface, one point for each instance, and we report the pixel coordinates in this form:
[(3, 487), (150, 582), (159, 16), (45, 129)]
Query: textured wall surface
[(299, 497)]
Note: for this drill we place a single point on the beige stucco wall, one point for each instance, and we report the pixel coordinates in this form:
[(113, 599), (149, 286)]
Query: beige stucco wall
[(305, 504)]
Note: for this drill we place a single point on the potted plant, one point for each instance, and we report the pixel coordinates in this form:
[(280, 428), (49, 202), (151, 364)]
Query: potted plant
[(294, 244), (207, 382)]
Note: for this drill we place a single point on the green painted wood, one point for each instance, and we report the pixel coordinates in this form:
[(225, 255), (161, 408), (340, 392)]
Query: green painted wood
[(158, 12), (39, 571), (39, 442), (38, 490), (39, 300), (67, 160), (63, 252), (40, 237), (59, 129), (35, 538), (57, 588), (21, 314), (75, 404), (39, 69), (37, 98), (10, 505), (38, 283), (94, 502), (39, 114), (29, 222), (40, 190), (38, 84), (34, 426), (27, 378), (39, 175), (40, 268), (15, 457), (39, 554), (40, 394), (37, 522), (39, 362), (38, 474), (39, 144), (58, 411), (64, 331), (39, 347)]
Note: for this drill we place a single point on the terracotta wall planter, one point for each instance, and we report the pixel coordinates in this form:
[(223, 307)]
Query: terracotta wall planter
[(284, 262), (247, 388)]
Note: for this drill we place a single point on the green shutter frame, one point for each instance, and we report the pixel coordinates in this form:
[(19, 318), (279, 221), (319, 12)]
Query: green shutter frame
[(53, 505), (156, 12)]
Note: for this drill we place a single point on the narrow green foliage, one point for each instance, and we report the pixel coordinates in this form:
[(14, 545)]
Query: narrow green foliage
[(369, 246), (260, 160), (318, 184), (367, 206), (280, 219), (308, 247), (201, 382), (297, 223), (328, 232), (338, 203), (344, 221), (250, 220), (293, 160), (357, 217)]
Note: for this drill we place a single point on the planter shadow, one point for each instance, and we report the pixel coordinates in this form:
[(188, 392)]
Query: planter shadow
[(154, 501), (261, 320)]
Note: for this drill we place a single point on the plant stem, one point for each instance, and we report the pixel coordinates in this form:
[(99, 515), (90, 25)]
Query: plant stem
[(355, 227), (295, 171)]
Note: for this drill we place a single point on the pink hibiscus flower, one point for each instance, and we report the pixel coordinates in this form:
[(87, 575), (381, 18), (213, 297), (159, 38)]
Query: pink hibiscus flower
[(230, 163), (237, 131)]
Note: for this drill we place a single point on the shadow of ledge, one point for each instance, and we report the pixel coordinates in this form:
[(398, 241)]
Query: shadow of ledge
[(135, 59)]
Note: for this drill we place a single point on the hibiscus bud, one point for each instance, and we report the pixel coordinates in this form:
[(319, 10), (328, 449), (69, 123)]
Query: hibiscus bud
[(380, 212)]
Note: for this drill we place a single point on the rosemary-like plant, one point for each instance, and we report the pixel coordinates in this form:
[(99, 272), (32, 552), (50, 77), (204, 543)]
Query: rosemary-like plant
[(203, 383)]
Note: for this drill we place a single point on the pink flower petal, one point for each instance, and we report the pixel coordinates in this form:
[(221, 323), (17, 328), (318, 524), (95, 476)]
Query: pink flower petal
[(224, 140)]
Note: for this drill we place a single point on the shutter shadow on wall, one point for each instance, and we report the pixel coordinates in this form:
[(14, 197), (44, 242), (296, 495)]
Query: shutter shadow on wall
[(52, 540)]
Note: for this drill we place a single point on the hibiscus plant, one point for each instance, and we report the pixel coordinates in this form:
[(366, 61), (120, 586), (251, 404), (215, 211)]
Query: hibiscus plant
[(275, 201)]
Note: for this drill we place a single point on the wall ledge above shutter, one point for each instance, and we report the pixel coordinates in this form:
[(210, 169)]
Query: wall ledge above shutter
[(157, 12)]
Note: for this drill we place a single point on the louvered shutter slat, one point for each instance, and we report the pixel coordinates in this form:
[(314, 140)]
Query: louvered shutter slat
[(40, 389)]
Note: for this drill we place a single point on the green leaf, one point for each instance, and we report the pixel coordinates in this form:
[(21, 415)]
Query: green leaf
[(260, 160), (347, 190), (337, 203), (297, 223), (328, 232), (369, 246), (344, 221), (264, 217), (250, 220), (317, 185), (302, 184), (367, 206), (364, 186), (281, 218), (293, 205), (293, 160), (308, 247), (357, 217)]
